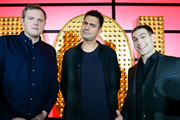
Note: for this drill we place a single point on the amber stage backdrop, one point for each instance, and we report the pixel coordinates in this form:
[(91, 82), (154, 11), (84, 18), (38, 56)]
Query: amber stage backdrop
[(125, 12)]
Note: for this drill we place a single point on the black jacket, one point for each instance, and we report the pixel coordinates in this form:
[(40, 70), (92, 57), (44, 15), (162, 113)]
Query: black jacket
[(166, 90), (70, 84)]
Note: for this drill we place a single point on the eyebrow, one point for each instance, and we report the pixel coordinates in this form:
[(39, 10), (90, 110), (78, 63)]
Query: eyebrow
[(142, 34), (90, 23), (139, 35)]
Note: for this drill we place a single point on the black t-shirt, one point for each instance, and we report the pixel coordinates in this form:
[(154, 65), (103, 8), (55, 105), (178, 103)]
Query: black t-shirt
[(93, 91)]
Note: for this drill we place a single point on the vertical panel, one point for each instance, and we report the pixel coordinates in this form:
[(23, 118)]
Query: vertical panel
[(172, 43), (157, 25), (58, 16), (127, 19), (127, 15)]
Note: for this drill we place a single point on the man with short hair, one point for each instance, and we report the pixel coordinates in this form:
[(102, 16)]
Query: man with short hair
[(90, 75), (153, 83), (28, 67)]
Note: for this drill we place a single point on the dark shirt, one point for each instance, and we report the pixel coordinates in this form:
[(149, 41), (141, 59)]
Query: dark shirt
[(29, 80), (144, 89), (94, 98)]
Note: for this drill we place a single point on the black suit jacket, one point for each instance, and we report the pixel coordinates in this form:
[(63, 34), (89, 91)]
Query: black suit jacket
[(71, 80), (166, 90)]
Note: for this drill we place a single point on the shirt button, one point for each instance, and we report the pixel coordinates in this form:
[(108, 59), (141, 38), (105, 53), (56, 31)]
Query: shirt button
[(25, 40), (33, 84), (31, 99), (33, 58), (32, 46), (78, 65), (144, 116), (33, 70), (29, 113)]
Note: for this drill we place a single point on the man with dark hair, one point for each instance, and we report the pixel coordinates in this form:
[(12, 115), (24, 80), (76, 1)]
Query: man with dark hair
[(153, 83), (28, 70), (90, 75)]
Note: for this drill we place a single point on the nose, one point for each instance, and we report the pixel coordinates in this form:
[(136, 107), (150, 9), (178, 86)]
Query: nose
[(139, 41), (36, 22), (87, 26)]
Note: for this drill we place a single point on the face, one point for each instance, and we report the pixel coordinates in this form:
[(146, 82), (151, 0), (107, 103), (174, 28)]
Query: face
[(90, 28), (33, 22), (143, 42)]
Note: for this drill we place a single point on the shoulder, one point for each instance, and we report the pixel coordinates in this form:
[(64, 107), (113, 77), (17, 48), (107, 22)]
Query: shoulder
[(47, 45), (74, 50), (168, 58), (166, 61), (48, 48), (133, 68), (106, 50), (9, 37)]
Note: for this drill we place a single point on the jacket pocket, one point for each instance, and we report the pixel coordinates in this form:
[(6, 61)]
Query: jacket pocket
[(169, 86)]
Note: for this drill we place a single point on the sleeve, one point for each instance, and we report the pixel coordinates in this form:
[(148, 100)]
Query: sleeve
[(118, 72), (2, 58), (127, 106), (54, 85), (6, 112), (125, 110), (63, 82)]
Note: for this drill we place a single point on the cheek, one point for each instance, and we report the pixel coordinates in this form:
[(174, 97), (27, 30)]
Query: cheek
[(151, 44), (134, 44), (81, 28)]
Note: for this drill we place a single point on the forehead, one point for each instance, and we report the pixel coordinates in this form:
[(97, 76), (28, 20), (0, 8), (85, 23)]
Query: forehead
[(139, 32), (35, 13), (91, 19)]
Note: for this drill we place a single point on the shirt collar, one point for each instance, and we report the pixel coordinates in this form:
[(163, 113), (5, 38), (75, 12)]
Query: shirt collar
[(152, 57), (25, 38)]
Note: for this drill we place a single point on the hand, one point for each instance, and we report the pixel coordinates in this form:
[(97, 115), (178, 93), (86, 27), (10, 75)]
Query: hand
[(119, 116), (41, 116), (18, 118)]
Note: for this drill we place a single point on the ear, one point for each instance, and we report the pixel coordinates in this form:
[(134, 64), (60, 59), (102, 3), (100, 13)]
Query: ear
[(100, 30), (22, 21), (154, 37)]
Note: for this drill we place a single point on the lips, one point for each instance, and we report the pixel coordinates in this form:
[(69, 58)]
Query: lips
[(142, 47), (35, 28), (85, 32)]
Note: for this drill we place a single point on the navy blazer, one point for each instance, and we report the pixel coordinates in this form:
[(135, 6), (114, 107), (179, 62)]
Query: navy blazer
[(166, 91)]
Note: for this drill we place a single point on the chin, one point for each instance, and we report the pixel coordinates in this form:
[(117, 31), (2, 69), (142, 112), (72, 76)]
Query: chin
[(35, 36)]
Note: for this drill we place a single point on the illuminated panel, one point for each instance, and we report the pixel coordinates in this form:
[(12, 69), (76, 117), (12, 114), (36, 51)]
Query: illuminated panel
[(172, 44), (10, 26), (148, 1), (128, 22), (54, 1), (157, 24), (112, 35)]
